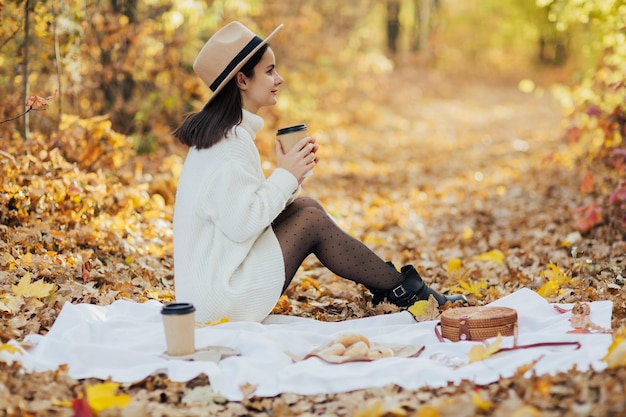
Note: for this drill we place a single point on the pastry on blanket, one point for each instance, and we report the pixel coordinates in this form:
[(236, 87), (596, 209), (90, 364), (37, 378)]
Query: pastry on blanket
[(379, 352), (349, 339), (336, 349), (357, 349)]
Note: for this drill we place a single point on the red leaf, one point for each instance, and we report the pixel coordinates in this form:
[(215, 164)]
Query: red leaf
[(41, 101), (618, 195), (591, 215), (587, 185), (594, 110), (561, 309), (81, 408), (573, 134), (618, 158), (86, 271)]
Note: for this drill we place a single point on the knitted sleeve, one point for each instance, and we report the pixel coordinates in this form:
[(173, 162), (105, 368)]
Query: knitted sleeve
[(248, 201)]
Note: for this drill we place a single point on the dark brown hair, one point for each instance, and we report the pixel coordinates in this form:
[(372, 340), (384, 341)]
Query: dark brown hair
[(205, 128)]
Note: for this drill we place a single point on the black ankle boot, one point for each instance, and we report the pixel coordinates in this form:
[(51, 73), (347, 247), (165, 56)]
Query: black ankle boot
[(414, 289), (378, 296)]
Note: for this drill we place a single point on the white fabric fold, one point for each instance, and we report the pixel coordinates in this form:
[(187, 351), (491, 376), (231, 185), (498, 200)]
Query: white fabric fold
[(125, 342)]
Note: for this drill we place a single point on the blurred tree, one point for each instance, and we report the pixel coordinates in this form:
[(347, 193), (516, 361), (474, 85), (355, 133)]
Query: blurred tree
[(25, 67), (425, 12), (131, 59), (393, 25)]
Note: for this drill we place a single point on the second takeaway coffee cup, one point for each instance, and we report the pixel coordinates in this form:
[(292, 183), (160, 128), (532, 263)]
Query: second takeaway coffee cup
[(289, 136), (180, 325)]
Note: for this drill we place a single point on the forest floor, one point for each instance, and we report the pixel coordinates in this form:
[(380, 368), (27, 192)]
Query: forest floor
[(425, 172)]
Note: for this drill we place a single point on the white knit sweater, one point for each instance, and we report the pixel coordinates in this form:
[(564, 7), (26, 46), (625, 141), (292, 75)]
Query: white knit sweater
[(227, 260)]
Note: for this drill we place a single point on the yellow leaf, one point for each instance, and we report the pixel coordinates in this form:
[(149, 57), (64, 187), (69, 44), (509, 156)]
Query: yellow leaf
[(480, 402), (418, 308), (554, 273), (216, 322), (37, 289), (11, 349), (616, 355), (428, 411), (526, 411), (491, 256), (556, 278), (103, 397), (377, 408), (308, 282), (8, 261), (470, 287), (11, 303), (27, 259), (484, 351), (468, 232), (549, 289), (454, 264), (425, 310)]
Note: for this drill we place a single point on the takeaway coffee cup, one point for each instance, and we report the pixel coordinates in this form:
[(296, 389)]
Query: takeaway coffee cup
[(180, 325), (289, 136)]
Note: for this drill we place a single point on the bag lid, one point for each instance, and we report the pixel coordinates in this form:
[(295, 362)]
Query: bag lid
[(479, 316)]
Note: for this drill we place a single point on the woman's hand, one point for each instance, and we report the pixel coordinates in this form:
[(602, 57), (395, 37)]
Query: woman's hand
[(300, 159)]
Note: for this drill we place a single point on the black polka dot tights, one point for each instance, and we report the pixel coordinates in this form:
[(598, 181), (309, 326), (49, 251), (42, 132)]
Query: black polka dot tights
[(304, 227)]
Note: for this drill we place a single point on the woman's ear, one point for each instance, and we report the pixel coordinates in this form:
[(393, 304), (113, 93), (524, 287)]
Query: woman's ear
[(241, 80)]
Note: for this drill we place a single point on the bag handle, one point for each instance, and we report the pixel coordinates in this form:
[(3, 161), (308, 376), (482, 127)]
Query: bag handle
[(515, 346)]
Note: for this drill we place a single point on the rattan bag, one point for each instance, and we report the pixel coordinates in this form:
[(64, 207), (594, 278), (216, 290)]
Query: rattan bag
[(478, 323)]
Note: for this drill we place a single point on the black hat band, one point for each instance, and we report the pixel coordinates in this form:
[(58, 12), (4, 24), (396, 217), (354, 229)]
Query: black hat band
[(236, 61)]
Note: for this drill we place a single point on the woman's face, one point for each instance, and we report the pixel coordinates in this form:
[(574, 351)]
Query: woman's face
[(262, 88)]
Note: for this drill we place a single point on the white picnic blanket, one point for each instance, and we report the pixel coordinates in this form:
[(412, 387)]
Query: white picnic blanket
[(125, 342)]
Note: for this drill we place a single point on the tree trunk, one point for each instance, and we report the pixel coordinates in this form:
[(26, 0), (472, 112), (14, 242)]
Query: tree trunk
[(424, 23), (393, 25), (25, 84), (57, 61), (120, 88)]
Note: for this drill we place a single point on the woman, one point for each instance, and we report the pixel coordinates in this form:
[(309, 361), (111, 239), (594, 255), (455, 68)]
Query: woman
[(239, 237)]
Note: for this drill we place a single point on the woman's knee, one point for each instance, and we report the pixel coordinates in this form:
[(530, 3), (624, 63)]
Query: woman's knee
[(302, 202)]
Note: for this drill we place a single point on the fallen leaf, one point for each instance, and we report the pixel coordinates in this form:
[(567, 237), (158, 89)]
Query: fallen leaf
[(380, 408), (103, 397), (425, 310), (204, 394), (492, 256), (216, 322), (591, 216), (428, 411), (549, 289), (37, 289), (81, 408), (616, 355), (470, 287), (526, 411), (481, 401), (10, 349), (521, 370), (587, 184), (247, 389), (556, 279), (454, 264), (485, 350)]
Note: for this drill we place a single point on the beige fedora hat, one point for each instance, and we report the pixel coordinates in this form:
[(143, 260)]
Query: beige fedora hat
[(223, 55)]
